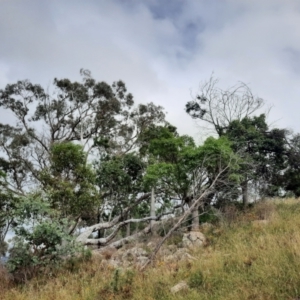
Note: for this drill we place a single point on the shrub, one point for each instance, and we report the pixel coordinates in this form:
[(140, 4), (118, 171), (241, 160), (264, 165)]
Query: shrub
[(41, 240), (196, 279), (230, 214)]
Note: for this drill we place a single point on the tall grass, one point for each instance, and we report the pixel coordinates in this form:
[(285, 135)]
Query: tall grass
[(244, 260)]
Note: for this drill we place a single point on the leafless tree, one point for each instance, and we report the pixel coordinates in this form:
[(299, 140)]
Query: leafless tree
[(219, 107)]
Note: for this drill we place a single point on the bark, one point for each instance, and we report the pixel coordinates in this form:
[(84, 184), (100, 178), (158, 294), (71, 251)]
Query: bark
[(83, 238), (116, 221), (117, 225), (195, 218), (120, 243), (152, 207), (74, 226), (128, 228)]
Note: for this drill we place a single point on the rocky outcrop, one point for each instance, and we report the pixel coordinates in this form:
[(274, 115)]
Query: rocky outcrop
[(193, 239), (124, 258), (139, 254)]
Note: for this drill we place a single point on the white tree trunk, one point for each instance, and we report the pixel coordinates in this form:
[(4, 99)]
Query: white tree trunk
[(152, 208), (195, 218), (128, 228)]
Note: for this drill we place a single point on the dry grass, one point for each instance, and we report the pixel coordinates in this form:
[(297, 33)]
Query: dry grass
[(5, 280), (242, 261)]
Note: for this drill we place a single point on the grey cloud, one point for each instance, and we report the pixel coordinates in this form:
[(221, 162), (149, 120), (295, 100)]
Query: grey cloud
[(161, 49), (292, 56)]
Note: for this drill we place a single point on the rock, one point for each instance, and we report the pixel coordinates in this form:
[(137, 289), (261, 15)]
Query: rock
[(151, 245), (182, 285), (180, 254), (133, 256), (193, 239), (142, 260), (172, 248), (134, 253), (165, 252), (106, 253), (114, 263)]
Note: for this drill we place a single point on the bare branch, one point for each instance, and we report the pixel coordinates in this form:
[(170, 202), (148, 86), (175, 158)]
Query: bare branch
[(195, 203), (220, 107)]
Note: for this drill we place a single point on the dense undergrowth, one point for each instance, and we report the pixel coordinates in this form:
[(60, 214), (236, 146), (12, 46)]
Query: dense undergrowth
[(244, 259)]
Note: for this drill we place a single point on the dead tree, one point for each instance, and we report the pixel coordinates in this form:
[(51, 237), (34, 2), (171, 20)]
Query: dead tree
[(220, 107)]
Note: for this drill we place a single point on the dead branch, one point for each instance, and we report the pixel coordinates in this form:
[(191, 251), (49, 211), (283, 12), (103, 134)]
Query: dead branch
[(89, 230), (195, 203)]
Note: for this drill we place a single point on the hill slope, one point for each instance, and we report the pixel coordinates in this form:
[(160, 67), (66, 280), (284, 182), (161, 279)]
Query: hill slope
[(244, 259)]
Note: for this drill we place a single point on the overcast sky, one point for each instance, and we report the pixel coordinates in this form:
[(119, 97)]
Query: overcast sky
[(162, 49)]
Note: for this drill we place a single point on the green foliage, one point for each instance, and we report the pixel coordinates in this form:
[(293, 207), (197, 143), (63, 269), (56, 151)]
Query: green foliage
[(171, 166), (209, 216), (41, 238), (74, 263), (67, 159), (8, 203), (196, 279), (217, 155), (120, 174), (3, 248), (99, 115), (70, 181), (120, 179), (40, 150), (262, 150), (182, 169), (122, 282), (193, 169), (290, 179)]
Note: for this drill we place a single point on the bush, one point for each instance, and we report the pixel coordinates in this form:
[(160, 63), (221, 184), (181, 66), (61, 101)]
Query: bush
[(3, 248), (41, 240), (196, 279), (121, 284), (210, 216)]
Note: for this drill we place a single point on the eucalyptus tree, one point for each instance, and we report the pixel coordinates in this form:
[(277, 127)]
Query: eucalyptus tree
[(263, 152), (183, 171), (120, 180), (8, 202), (204, 171), (289, 180), (39, 148), (72, 112)]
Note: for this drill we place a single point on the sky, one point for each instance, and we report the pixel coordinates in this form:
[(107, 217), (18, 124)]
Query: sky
[(161, 49)]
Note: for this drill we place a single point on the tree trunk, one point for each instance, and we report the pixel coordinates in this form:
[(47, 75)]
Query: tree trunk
[(100, 232), (128, 227), (152, 208), (195, 219), (245, 193)]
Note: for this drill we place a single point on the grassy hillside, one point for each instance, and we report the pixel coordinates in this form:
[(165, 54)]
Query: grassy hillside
[(244, 259)]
